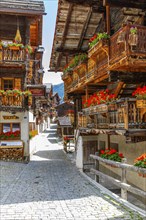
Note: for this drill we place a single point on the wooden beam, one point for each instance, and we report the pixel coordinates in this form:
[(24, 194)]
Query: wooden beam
[(71, 50), (66, 24), (64, 33), (84, 30), (108, 18)]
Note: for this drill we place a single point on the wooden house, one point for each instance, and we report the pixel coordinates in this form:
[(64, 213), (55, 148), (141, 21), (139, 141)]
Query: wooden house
[(65, 118), (21, 74), (115, 63)]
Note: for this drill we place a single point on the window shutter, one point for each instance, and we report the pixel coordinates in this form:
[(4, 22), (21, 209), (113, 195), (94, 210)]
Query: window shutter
[(17, 83)]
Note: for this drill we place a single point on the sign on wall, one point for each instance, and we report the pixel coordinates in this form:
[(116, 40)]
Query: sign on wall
[(10, 117), (37, 91)]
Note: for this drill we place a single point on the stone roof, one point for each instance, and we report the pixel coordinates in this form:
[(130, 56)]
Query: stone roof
[(22, 7)]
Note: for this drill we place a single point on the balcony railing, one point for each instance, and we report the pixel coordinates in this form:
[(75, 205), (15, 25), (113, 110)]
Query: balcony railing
[(12, 54), (124, 53), (124, 114), (8, 102)]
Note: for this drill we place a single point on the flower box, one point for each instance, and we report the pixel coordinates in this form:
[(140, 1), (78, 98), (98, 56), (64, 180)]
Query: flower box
[(14, 48), (101, 43), (113, 166), (141, 103), (111, 154)]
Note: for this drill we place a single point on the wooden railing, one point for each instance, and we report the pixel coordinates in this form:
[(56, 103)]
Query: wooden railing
[(123, 114), (13, 101), (123, 48), (123, 183), (12, 54)]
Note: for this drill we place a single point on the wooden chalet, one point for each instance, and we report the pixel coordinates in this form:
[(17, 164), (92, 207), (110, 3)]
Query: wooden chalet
[(117, 62), (21, 74)]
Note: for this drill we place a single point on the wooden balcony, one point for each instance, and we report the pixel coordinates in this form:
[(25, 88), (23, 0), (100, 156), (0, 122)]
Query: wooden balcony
[(98, 61), (12, 55), (102, 45), (127, 52), (13, 103), (123, 116), (66, 75)]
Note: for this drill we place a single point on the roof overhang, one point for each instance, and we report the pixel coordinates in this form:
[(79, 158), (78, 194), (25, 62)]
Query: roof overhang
[(21, 7), (75, 25)]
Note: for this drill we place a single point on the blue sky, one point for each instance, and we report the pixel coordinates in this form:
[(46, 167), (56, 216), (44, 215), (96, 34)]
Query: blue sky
[(49, 22)]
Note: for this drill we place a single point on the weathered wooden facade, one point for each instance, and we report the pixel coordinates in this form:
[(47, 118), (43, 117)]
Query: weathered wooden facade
[(116, 63), (20, 72)]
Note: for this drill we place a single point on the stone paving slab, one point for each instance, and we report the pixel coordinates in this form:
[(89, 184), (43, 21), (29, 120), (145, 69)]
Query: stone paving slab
[(51, 187)]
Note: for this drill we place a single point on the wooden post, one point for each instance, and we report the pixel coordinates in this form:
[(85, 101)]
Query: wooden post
[(108, 23), (97, 168), (108, 141), (123, 180), (86, 93)]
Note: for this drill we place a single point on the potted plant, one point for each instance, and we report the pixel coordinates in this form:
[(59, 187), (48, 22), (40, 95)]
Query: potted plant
[(27, 93), (111, 154), (75, 62), (141, 162), (10, 135), (2, 92), (133, 36), (28, 49), (97, 37), (140, 94), (16, 92), (100, 97)]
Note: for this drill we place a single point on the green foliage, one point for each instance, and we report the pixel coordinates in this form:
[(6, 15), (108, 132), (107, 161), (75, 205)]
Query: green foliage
[(111, 154), (97, 37), (76, 60), (140, 161)]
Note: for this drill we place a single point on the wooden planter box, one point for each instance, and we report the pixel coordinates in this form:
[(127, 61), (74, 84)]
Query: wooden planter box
[(98, 46), (141, 103)]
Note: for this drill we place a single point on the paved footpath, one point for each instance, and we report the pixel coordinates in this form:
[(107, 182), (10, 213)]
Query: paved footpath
[(50, 187)]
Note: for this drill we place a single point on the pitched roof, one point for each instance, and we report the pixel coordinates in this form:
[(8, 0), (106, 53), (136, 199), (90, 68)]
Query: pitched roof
[(22, 7), (65, 103)]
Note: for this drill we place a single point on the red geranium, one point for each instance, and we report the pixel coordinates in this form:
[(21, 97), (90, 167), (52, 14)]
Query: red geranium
[(100, 97), (140, 92), (111, 154)]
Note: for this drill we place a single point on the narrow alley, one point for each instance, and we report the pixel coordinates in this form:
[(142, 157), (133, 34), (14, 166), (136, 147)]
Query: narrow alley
[(51, 187)]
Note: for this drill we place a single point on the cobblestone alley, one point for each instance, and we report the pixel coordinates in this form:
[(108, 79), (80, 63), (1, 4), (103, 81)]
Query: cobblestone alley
[(51, 187)]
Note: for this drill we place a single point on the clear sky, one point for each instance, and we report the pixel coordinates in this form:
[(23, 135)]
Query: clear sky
[(49, 22)]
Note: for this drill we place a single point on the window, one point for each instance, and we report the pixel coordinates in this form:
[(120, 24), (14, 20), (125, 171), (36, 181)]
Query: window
[(11, 127), (15, 127), (8, 84), (6, 128)]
